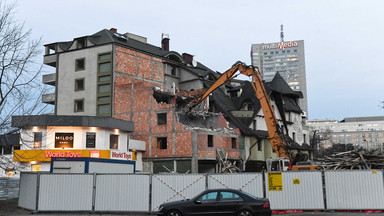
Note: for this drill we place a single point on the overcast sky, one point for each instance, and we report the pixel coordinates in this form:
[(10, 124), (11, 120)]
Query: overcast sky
[(343, 39)]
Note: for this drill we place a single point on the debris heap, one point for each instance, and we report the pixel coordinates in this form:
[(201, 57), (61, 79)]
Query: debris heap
[(356, 159)]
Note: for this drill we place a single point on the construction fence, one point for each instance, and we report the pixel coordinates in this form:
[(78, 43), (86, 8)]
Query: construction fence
[(310, 190), (9, 188)]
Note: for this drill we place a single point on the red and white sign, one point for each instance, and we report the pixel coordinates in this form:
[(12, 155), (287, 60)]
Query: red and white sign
[(121, 155), (281, 45)]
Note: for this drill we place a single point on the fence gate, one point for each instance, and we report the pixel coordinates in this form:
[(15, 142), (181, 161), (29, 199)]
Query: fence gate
[(166, 188)]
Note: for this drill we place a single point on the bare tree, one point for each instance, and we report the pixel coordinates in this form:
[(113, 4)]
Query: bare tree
[(316, 140), (20, 90)]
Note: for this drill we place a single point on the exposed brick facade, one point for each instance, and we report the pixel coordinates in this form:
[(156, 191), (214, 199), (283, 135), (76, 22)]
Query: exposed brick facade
[(136, 75)]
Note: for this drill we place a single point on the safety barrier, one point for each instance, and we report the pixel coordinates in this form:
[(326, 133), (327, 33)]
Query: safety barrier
[(287, 191)]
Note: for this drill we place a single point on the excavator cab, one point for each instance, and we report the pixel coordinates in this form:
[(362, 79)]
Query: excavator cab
[(278, 164)]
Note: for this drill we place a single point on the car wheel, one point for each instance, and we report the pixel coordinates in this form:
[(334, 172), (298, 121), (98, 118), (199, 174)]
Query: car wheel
[(174, 213), (245, 212)]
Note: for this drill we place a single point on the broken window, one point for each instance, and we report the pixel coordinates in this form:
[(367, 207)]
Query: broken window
[(234, 146), (210, 141), (161, 118), (162, 142)]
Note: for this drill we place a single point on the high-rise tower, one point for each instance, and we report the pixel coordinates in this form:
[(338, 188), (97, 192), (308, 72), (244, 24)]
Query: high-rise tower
[(285, 57)]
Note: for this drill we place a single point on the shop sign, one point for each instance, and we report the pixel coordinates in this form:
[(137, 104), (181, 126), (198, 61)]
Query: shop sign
[(46, 155), (64, 140), (281, 45), (121, 155), (50, 154)]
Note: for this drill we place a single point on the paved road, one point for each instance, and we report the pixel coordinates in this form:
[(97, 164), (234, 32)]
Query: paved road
[(9, 207)]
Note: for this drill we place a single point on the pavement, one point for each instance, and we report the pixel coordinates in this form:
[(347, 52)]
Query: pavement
[(10, 207)]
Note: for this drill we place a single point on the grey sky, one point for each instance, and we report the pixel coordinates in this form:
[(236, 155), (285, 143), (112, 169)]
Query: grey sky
[(343, 38)]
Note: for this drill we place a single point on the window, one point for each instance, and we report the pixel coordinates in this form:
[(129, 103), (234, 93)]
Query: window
[(104, 88), (210, 141), (114, 141), (81, 43), (104, 109), (294, 136), (254, 126), (234, 146), (265, 53), (37, 139), (91, 140), (271, 53), (229, 196), (80, 64), (161, 118), (173, 71), (64, 140), (105, 67), (295, 50), (208, 197), (79, 105), (104, 85), (259, 146), (162, 142), (79, 84), (288, 51)]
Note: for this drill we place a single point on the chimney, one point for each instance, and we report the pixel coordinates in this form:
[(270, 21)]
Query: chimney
[(165, 41), (188, 58), (113, 30)]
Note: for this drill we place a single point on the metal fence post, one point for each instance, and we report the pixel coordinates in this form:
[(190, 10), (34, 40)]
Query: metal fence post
[(94, 192), (206, 181), (37, 191), (150, 193), (264, 184), (324, 189)]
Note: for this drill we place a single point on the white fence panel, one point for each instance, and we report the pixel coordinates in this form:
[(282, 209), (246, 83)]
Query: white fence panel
[(28, 190), (354, 189), (301, 190), (249, 182), (65, 192), (166, 188), (122, 192)]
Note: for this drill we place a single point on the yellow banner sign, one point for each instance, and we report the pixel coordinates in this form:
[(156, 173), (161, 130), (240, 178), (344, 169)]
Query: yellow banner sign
[(275, 181), (47, 154), (296, 181)]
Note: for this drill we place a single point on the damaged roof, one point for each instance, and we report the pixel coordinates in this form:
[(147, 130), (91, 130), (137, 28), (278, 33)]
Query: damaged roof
[(227, 104)]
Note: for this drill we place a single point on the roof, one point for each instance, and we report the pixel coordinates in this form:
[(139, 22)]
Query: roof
[(9, 139), (107, 36), (70, 121)]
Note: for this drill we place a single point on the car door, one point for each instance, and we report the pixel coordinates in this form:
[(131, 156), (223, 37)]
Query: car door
[(206, 204), (229, 203)]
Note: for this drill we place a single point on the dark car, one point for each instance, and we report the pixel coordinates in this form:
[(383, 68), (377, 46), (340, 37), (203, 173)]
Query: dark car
[(218, 202)]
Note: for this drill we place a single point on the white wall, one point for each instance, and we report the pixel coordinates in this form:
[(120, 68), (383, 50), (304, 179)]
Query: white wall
[(66, 76)]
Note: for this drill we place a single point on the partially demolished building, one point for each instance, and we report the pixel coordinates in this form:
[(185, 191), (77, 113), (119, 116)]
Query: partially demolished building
[(122, 76)]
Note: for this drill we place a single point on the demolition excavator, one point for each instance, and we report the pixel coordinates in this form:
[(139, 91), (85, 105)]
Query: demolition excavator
[(275, 134)]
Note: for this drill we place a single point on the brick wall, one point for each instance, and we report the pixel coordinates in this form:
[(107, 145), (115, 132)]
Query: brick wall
[(136, 75)]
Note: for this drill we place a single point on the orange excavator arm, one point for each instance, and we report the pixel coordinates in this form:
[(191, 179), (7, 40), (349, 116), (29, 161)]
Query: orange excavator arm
[(275, 136)]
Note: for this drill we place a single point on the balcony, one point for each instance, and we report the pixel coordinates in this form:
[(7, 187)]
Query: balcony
[(50, 60), (49, 79), (49, 98)]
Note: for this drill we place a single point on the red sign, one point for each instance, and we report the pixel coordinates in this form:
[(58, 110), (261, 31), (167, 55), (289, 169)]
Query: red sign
[(50, 154), (121, 155), (281, 45)]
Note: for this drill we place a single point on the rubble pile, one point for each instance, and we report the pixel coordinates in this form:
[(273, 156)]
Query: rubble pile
[(356, 159)]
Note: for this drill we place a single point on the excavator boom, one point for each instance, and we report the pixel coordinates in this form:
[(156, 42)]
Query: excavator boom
[(275, 136)]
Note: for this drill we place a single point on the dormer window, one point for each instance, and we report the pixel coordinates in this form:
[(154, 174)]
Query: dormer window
[(81, 43)]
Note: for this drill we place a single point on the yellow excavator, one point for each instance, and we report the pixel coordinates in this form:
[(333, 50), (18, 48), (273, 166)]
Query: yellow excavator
[(276, 137)]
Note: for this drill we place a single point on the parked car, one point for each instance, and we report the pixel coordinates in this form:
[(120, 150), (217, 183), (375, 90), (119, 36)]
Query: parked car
[(218, 202)]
